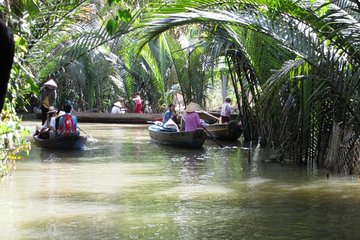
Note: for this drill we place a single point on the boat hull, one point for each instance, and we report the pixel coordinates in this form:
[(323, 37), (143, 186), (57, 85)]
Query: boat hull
[(190, 139), (71, 143), (134, 118), (226, 131)]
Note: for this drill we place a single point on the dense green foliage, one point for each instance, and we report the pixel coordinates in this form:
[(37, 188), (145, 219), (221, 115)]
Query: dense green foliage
[(293, 65), (296, 67)]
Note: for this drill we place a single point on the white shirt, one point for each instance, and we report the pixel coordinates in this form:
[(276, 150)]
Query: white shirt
[(225, 109), (52, 122), (115, 109)]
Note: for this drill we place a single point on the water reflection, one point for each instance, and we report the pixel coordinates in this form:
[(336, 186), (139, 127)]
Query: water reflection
[(126, 187)]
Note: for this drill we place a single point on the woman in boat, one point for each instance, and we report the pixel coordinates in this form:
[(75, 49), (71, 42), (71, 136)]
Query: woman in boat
[(192, 119), (48, 98), (138, 103)]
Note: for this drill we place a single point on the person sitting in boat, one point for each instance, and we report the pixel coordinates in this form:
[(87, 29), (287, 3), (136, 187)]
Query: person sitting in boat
[(138, 103), (48, 129), (192, 119), (68, 123), (170, 114), (58, 115), (117, 108), (225, 110)]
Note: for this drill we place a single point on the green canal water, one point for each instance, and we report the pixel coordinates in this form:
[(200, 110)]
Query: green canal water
[(126, 187)]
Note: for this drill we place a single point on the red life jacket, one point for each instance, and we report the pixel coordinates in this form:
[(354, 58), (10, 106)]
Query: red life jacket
[(67, 127)]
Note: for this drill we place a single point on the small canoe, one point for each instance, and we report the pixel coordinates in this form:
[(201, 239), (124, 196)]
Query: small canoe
[(190, 139), (227, 131), (71, 142)]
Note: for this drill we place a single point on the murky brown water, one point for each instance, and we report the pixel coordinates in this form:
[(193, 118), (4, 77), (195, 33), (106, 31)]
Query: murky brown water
[(126, 187)]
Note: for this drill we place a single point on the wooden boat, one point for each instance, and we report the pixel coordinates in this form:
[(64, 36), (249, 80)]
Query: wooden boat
[(210, 116), (134, 118), (99, 117), (230, 131), (71, 142), (191, 139)]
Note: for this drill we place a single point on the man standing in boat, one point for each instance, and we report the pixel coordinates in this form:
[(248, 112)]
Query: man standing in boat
[(48, 98), (226, 110)]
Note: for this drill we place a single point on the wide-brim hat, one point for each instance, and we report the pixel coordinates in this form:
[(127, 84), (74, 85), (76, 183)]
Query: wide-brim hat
[(118, 104), (61, 113), (51, 83), (51, 109), (192, 107)]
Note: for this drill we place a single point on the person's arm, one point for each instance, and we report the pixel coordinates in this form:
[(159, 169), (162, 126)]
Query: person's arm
[(45, 126), (167, 116), (52, 124), (75, 121), (60, 123), (199, 124)]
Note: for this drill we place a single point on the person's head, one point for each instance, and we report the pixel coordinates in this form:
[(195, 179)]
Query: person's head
[(67, 108), (117, 104), (171, 107), (137, 93), (228, 99), (51, 111), (68, 102), (192, 107)]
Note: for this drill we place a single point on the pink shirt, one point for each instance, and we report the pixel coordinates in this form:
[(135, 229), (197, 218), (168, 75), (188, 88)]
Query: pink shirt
[(192, 121)]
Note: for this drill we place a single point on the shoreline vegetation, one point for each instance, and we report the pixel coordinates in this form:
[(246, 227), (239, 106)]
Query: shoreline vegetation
[(291, 68)]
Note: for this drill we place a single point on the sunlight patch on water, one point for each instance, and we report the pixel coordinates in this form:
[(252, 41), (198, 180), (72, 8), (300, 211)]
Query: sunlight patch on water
[(197, 191), (254, 181)]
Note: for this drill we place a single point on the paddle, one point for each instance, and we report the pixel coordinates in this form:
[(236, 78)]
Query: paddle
[(210, 115), (213, 138), (90, 137)]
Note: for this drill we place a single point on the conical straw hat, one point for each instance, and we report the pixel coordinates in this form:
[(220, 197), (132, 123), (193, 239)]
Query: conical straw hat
[(118, 104), (51, 83), (192, 107)]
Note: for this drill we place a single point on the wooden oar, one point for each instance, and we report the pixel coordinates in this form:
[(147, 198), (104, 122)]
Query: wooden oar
[(210, 115), (213, 138), (92, 139)]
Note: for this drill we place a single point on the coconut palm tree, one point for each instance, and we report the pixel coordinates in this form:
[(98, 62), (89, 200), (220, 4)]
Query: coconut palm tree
[(296, 64)]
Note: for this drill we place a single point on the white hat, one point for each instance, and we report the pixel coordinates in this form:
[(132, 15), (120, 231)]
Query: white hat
[(51, 83), (118, 104), (192, 107), (51, 109), (60, 114)]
